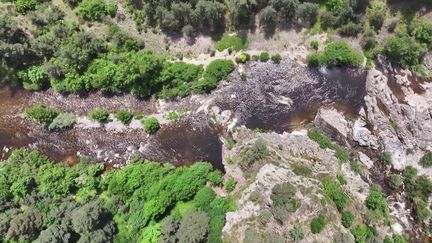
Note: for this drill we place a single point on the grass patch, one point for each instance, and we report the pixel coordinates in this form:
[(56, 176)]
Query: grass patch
[(234, 42), (319, 137)]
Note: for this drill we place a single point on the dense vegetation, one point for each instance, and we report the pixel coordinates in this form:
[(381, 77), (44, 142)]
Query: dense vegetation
[(145, 201)]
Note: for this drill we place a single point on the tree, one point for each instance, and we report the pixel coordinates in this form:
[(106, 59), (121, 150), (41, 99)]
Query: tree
[(210, 12), (55, 233), (25, 226), (169, 229), (286, 8), (308, 12), (193, 227), (376, 15), (268, 18), (88, 218), (203, 198), (404, 51)]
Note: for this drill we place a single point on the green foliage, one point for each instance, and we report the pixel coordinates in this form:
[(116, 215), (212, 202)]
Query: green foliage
[(34, 78), (276, 58), (318, 224), (62, 121), (268, 18), (123, 116), (215, 177), (258, 151), (386, 158), (242, 58), (395, 181), (284, 201), (230, 185), (361, 233), (351, 29), (426, 160), (23, 6), (215, 71), (341, 179), (95, 9), (296, 233), (336, 53), (41, 114), (347, 219), (314, 44), (319, 137), (376, 15), (151, 125), (264, 57), (99, 115), (231, 41), (422, 32), (336, 6), (342, 154), (172, 116), (404, 50), (203, 198), (376, 202), (333, 191)]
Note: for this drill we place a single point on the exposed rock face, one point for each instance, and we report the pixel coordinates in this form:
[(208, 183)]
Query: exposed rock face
[(333, 123), (402, 122)]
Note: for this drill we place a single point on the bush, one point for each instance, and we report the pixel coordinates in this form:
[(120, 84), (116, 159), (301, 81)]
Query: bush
[(376, 202), (95, 9), (215, 71), (395, 181), (337, 53), (230, 185), (426, 160), (296, 233), (314, 44), (376, 15), (235, 42), (422, 31), (276, 58), (361, 233), (41, 114), (22, 6), (351, 29), (151, 125), (242, 58), (264, 57), (347, 219), (215, 177), (369, 40), (62, 121), (404, 51), (123, 116), (33, 78), (385, 158), (333, 191), (318, 224), (99, 115)]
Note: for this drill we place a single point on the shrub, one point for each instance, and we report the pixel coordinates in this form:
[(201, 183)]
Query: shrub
[(22, 6), (347, 219), (256, 152), (376, 202), (361, 233), (336, 6), (215, 71), (319, 137), (314, 44), (99, 115), (230, 185), (395, 181), (404, 51), (235, 42), (215, 177), (333, 191), (264, 57), (41, 114), (351, 29), (62, 121), (95, 9), (172, 116), (426, 160), (376, 15), (296, 233), (422, 32), (255, 58), (242, 58), (33, 78), (276, 58), (369, 40), (385, 158), (123, 116), (337, 53), (151, 125), (308, 12), (318, 224)]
